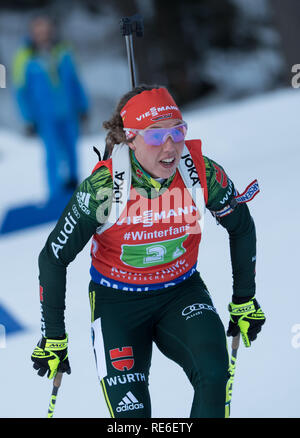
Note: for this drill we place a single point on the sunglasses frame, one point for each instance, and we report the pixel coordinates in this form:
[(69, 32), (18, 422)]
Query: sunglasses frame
[(142, 131)]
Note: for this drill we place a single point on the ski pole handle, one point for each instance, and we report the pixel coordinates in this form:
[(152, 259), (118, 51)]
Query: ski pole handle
[(56, 385)]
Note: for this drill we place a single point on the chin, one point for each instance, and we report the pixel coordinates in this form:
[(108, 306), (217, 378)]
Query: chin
[(166, 173)]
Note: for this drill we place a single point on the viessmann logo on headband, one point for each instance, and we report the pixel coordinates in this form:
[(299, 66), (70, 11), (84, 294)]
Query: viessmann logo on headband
[(154, 113)]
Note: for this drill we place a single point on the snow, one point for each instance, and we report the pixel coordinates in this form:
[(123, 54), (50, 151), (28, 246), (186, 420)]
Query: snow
[(254, 138)]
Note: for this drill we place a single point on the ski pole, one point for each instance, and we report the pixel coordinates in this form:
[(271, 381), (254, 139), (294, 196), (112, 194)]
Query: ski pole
[(56, 385), (232, 365)]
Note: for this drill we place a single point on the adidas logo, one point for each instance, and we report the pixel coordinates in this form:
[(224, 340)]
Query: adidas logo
[(83, 200), (129, 403)]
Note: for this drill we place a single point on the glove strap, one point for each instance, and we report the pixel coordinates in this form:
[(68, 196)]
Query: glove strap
[(55, 344), (241, 309)]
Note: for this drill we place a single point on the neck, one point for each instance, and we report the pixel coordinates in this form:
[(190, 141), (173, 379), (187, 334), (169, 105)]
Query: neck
[(142, 173)]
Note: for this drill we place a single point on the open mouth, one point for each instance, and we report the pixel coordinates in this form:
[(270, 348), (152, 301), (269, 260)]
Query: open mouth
[(167, 162)]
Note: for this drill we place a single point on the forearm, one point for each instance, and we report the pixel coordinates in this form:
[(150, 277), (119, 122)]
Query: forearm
[(52, 279), (242, 239)]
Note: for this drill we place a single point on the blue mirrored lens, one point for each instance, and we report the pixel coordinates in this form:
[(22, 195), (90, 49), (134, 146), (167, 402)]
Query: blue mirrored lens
[(177, 134), (154, 137), (157, 137)]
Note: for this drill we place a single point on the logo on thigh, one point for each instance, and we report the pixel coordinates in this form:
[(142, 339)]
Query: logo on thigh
[(123, 379), (122, 358), (129, 403), (196, 309)]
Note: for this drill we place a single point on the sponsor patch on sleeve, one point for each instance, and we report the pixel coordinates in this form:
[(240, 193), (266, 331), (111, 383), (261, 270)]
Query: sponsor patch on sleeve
[(248, 194)]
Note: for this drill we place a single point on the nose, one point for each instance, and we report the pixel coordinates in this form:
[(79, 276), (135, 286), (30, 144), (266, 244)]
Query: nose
[(169, 144)]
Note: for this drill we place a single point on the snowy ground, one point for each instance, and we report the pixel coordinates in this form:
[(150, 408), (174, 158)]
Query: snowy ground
[(256, 138)]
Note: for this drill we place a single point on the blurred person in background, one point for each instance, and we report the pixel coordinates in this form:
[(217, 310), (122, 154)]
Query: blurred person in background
[(51, 100)]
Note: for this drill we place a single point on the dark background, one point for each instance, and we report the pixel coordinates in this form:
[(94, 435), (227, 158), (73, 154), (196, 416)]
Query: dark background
[(204, 51)]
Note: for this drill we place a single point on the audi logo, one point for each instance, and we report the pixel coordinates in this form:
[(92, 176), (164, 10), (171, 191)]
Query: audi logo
[(195, 307)]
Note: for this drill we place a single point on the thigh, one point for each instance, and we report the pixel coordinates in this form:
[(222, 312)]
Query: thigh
[(122, 341), (191, 333)]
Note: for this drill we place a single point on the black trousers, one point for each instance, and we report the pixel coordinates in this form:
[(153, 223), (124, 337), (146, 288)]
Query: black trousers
[(185, 326)]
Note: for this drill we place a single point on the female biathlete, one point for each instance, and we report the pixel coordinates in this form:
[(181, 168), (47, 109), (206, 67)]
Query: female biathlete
[(143, 208)]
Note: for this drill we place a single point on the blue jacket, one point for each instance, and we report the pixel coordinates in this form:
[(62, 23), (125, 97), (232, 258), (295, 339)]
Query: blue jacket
[(46, 85)]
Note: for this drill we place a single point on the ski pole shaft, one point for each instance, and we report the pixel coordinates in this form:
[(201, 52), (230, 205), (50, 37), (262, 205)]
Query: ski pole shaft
[(56, 385), (235, 344), (232, 365)]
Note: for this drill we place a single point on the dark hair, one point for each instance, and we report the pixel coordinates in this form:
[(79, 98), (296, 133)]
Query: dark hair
[(114, 125)]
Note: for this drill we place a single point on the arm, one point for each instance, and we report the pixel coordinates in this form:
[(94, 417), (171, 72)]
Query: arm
[(240, 227), (246, 315), (73, 230), (242, 240)]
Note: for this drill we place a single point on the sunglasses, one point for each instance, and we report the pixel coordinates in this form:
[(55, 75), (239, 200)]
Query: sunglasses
[(158, 136)]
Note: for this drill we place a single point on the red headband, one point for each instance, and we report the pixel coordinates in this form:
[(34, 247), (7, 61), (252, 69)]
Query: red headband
[(149, 107)]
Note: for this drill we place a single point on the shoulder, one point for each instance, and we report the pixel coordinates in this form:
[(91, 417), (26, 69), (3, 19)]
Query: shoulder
[(214, 170), (93, 191), (101, 176), (220, 187)]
